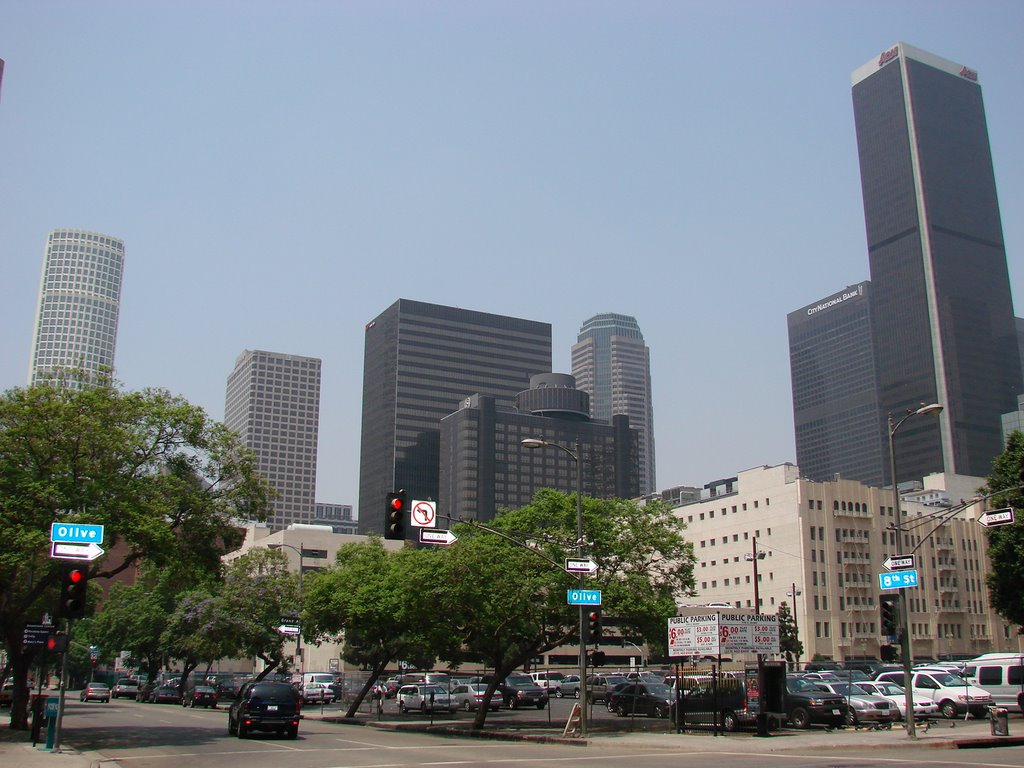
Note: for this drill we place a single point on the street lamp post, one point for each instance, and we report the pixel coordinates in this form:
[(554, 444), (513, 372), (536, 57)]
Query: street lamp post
[(576, 456), (298, 638), (762, 716), (908, 678)]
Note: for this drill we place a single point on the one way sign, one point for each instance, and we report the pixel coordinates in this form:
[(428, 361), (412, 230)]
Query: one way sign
[(996, 517), (899, 562)]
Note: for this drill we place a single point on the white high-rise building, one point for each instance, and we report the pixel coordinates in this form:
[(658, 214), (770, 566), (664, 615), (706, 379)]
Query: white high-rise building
[(79, 302), (612, 364), (273, 403)]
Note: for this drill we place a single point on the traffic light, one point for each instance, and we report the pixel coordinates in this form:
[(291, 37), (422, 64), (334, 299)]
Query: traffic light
[(57, 642), (594, 626), (394, 516), (72, 592), (889, 606)]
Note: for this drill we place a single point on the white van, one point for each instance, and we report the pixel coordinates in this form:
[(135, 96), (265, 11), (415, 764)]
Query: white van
[(327, 678), (954, 695), (1002, 675)]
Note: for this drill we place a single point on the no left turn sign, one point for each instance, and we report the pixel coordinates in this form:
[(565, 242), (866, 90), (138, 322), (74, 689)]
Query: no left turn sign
[(424, 514)]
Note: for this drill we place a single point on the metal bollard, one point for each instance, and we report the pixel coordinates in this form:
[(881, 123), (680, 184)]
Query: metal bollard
[(999, 720)]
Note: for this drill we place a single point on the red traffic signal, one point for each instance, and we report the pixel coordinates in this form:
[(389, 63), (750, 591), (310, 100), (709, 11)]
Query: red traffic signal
[(56, 642), (394, 516), (594, 625), (72, 592)]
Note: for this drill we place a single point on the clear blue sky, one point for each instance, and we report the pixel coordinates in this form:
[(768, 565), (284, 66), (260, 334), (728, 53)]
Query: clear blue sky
[(281, 172)]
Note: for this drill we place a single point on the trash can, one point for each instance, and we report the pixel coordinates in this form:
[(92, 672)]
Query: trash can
[(999, 719)]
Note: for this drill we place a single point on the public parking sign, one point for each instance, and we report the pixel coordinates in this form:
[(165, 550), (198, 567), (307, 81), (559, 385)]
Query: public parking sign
[(898, 579)]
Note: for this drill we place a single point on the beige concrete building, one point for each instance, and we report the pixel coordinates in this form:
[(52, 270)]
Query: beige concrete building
[(827, 542), (318, 545)]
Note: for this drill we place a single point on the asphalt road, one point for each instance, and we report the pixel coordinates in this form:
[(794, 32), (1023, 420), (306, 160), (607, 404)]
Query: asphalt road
[(134, 735)]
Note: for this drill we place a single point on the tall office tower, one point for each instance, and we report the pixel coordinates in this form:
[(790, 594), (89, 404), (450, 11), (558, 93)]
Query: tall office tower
[(273, 402), (420, 361), (485, 467), (79, 301), (613, 365), (941, 306), (836, 416)]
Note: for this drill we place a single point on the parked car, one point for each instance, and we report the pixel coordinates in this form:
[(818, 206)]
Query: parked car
[(126, 687), (549, 681), (651, 699), (807, 704), (469, 696), (863, 706), (521, 691), (954, 695), (923, 707), (570, 686), (425, 697), (599, 685), (95, 692), (145, 691), (167, 693), (265, 706), (200, 696), (7, 694), (318, 693), (1001, 675), (732, 704)]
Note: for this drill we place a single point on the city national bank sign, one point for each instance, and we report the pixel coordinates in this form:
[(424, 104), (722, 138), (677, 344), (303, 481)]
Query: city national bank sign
[(835, 300), (714, 634)]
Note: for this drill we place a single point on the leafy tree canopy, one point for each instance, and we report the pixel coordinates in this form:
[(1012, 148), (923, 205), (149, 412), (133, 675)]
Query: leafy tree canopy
[(162, 478), (1006, 542)]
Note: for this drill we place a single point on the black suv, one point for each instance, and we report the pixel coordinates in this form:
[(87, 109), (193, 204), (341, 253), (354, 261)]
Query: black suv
[(806, 703), (265, 706)]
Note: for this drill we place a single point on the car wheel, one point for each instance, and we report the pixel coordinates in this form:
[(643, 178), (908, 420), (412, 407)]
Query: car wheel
[(660, 711), (851, 716), (401, 708), (465, 705), (620, 711), (800, 718), (540, 705), (609, 706), (241, 730), (730, 722), (948, 709), (293, 732), (577, 693), (513, 704), (558, 693), (232, 728)]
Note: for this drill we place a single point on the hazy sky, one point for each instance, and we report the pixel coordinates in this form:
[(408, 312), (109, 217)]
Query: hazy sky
[(281, 172)]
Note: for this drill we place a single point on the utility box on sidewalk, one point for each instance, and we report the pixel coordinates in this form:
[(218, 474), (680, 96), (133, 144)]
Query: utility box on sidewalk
[(999, 719)]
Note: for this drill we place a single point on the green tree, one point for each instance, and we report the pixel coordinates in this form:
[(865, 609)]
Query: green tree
[(369, 598), (1006, 542), (789, 636), (507, 603), (162, 478), (258, 590)]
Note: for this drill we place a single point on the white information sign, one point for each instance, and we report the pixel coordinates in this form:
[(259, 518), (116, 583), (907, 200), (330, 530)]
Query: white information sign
[(715, 633)]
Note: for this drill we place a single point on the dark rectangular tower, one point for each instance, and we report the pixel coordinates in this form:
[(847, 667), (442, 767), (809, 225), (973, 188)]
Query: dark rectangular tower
[(941, 305), (420, 360), (836, 417)]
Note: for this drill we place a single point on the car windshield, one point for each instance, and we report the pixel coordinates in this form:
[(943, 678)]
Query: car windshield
[(97, 685), (659, 689), (435, 689), (616, 679), (527, 683), (948, 680), (890, 689), (273, 691), (799, 685)]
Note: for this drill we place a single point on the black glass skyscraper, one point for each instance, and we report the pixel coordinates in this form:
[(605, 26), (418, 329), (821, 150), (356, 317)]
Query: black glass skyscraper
[(941, 306), (836, 417), (421, 360)]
